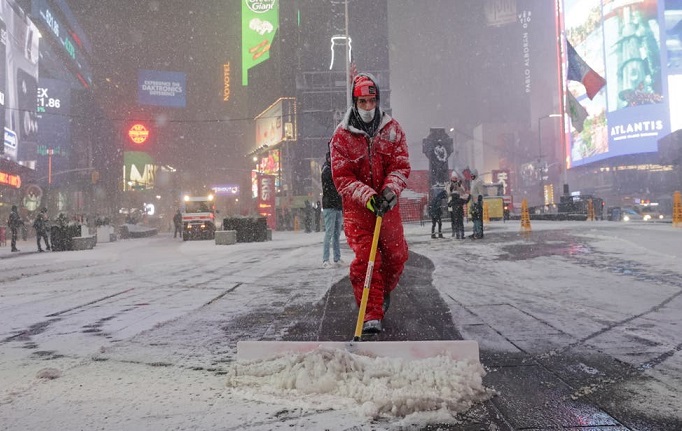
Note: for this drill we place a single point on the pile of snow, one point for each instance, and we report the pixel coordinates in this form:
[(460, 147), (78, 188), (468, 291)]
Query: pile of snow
[(373, 387)]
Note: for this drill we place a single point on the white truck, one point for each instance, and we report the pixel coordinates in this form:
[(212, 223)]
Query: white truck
[(198, 217)]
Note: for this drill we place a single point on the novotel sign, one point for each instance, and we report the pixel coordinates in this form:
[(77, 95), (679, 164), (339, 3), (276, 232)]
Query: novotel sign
[(138, 134)]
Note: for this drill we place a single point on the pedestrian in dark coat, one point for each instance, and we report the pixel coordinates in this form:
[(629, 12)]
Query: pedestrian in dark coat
[(332, 211), (318, 216), (40, 225), (14, 223), (457, 202), (308, 217), (177, 222), (477, 217), (435, 211)]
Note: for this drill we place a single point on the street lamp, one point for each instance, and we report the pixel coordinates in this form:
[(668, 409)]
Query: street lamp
[(542, 173)]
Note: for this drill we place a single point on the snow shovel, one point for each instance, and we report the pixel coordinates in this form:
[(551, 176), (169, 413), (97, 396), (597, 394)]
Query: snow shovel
[(462, 350)]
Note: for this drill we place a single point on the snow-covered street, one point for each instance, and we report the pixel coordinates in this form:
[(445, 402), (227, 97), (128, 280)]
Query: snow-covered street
[(141, 333)]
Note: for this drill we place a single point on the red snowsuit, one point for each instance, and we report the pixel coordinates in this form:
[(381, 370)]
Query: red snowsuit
[(362, 168)]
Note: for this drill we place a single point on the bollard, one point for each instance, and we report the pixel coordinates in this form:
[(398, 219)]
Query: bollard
[(525, 216)]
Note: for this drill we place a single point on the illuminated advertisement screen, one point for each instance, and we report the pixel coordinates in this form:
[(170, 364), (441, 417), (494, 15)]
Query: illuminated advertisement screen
[(65, 31), (226, 190), (269, 163), (626, 42), (672, 14), (260, 20), (269, 129), (161, 88), (54, 131), (3, 77), (21, 38)]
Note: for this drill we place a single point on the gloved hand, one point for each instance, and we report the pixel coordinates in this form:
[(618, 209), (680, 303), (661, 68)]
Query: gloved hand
[(390, 199), (375, 204)]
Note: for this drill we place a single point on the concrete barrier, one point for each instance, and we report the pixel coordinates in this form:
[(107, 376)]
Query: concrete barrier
[(84, 242), (225, 237)]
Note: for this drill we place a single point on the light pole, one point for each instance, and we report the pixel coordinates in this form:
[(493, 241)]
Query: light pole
[(542, 173)]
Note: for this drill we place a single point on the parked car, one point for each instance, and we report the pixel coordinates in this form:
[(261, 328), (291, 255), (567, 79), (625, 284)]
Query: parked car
[(640, 214), (650, 213), (629, 214)]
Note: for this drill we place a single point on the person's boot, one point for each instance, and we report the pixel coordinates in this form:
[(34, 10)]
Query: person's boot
[(433, 235), (40, 250), (371, 327), (440, 235)]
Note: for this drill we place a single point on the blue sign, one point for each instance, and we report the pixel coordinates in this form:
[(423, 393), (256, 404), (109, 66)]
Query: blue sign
[(161, 88)]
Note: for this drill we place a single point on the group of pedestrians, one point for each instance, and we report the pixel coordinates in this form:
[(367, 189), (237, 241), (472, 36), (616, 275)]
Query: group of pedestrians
[(40, 224), (457, 198)]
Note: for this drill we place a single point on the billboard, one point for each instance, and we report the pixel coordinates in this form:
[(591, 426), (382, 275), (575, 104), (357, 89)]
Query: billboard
[(266, 198), (67, 34), (139, 171), (672, 15), (624, 42), (160, 88), (20, 38), (54, 128), (260, 20), (275, 124)]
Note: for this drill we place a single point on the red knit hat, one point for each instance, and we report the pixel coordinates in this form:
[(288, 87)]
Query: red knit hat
[(363, 86)]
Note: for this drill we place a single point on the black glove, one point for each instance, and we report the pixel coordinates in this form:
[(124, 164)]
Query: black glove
[(390, 200), (375, 204)]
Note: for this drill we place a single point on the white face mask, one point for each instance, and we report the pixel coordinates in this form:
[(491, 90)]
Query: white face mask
[(367, 116)]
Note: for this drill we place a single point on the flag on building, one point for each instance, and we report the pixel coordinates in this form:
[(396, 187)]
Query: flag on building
[(581, 72), (576, 111)]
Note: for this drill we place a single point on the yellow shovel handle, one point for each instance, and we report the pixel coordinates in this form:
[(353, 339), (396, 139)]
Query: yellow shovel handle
[(368, 280)]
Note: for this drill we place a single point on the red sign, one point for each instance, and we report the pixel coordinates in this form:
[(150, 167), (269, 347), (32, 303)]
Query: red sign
[(266, 198), (138, 134), (10, 180), (502, 176)]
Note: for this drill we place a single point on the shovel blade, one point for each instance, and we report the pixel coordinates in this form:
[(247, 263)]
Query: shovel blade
[(461, 350)]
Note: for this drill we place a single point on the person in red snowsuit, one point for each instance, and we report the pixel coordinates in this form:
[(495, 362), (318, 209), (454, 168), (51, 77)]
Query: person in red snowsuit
[(370, 167)]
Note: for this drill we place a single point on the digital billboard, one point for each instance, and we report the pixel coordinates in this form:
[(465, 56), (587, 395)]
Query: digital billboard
[(54, 128), (628, 43), (21, 38), (67, 35), (260, 20), (161, 88)]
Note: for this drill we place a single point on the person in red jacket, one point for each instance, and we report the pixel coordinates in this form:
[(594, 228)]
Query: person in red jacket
[(370, 167)]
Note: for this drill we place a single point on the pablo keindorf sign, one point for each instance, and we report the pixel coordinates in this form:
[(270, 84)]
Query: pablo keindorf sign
[(161, 88)]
